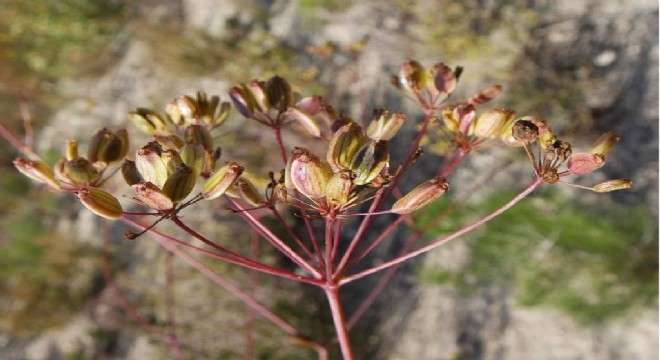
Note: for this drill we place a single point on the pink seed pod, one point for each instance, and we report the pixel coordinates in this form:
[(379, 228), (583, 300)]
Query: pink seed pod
[(444, 79), (100, 202), (485, 95), (421, 196), (307, 173), (151, 196), (584, 163)]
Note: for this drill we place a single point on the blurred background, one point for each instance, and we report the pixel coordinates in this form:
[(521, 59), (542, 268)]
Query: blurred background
[(565, 274)]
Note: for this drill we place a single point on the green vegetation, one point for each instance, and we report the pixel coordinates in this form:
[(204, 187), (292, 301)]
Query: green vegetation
[(594, 265)]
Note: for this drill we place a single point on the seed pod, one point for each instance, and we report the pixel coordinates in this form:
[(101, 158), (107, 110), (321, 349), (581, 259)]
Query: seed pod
[(37, 171), (71, 149), (148, 121), (207, 107), (170, 141), (421, 196), (198, 134), (183, 111), (152, 196), (605, 143), (412, 76), (179, 185), (80, 171), (246, 190), (130, 172), (107, 147), (344, 145), (612, 185), (258, 92), (221, 180), (279, 93), (369, 161), (444, 78), (464, 115), (525, 131), (584, 163), (305, 119), (100, 202), (243, 100), (194, 156), (485, 95), (308, 174), (210, 159), (490, 124), (223, 114), (172, 160), (150, 165), (383, 126), (339, 188), (450, 121)]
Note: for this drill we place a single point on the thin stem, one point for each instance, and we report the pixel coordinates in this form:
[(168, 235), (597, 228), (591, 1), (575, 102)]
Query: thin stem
[(291, 233), (537, 182), (169, 298), (380, 238), (27, 122), (328, 246), (249, 328), (17, 144), (332, 293), (165, 241), (273, 239), (250, 265), (280, 142), (382, 282)]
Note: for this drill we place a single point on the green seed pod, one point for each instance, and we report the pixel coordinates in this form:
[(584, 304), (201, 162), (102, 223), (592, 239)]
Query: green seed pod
[(344, 145), (194, 156), (170, 141), (107, 147), (223, 114), (148, 121), (183, 111), (150, 165), (179, 185), (612, 185), (130, 173), (80, 171), (258, 91), (491, 123), (172, 160), (383, 126), (369, 161), (37, 171), (278, 92), (412, 76), (152, 196), (246, 190), (421, 196), (221, 180), (605, 143), (308, 174), (198, 134), (339, 188), (100, 202), (71, 150)]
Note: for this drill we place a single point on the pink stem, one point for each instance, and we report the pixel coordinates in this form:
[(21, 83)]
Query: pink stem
[(250, 265), (280, 142), (328, 246), (380, 238), (273, 239), (292, 234), (165, 242), (537, 182), (17, 144), (332, 293), (169, 298)]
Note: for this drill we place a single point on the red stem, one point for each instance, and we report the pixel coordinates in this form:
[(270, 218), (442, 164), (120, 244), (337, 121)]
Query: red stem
[(166, 242), (537, 182), (332, 293), (280, 142), (273, 239), (250, 265)]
